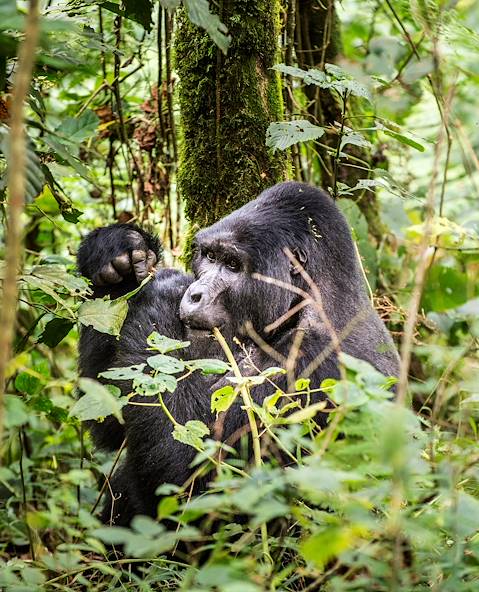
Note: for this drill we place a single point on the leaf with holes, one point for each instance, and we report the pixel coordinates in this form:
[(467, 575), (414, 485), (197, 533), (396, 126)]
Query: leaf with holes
[(164, 344), (165, 364), (124, 373), (105, 316), (208, 366), (192, 433), (223, 398), (282, 135)]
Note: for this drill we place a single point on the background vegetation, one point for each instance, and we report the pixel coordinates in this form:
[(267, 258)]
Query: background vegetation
[(146, 111)]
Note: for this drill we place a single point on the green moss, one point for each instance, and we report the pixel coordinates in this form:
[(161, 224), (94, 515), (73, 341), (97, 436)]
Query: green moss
[(224, 159)]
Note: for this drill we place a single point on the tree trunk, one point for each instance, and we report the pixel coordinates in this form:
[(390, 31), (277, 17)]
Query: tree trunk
[(227, 103), (318, 41)]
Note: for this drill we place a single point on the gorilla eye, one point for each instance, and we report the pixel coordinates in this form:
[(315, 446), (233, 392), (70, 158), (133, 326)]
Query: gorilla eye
[(210, 256), (233, 264)]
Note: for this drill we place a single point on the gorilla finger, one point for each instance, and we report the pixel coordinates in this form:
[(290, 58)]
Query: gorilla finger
[(96, 279), (109, 274), (150, 260), (122, 264), (138, 259), (135, 239)]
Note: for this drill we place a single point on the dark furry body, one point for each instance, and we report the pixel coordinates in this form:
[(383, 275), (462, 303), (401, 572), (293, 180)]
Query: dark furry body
[(290, 215)]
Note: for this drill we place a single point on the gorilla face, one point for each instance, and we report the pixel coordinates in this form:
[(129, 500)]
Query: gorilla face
[(225, 293)]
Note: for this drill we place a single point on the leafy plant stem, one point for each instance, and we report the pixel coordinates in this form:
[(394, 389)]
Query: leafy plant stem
[(248, 403), (338, 149)]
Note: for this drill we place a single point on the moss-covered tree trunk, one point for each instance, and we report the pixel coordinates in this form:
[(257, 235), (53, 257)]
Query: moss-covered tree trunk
[(227, 103)]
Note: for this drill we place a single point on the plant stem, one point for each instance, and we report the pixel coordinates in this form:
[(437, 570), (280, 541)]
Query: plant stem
[(248, 403), (16, 192)]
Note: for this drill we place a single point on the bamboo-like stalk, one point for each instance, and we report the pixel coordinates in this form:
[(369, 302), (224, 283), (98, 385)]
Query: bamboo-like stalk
[(16, 192)]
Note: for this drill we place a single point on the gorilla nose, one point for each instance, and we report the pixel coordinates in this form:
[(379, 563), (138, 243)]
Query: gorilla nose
[(192, 303)]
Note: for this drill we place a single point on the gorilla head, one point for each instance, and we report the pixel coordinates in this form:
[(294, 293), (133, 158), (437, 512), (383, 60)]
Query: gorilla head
[(253, 240)]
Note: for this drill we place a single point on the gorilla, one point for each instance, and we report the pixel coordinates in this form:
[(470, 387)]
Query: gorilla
[(315, 299)]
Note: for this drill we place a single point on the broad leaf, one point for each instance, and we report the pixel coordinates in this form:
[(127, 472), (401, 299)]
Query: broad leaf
[(282, 135), (105, 316), (148, 385), (209, 366), (98, 401), (165, 364), (165, 344), (192, 433), (55, 330), (124, 373), (223, 398), (77, 129)]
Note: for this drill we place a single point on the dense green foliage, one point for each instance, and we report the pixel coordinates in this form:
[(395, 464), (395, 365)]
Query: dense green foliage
[(387, 496)]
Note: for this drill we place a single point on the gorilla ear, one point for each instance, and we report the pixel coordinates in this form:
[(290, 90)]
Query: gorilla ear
[(302, 258)]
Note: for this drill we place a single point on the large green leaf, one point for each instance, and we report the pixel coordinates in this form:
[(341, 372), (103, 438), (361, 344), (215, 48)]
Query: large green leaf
[(165, 364), (282, 135), (98, 401), (35, 178), (139, 11), (106, 316), (78, 129)]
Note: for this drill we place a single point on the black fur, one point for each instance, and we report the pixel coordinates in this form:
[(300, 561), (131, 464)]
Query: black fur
[(224, 291)]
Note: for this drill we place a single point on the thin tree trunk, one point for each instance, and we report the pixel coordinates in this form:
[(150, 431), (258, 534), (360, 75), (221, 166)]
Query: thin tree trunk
[(318, 41), (227, 103)]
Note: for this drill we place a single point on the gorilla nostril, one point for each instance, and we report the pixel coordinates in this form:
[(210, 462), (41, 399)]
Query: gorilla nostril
[(195, 297)]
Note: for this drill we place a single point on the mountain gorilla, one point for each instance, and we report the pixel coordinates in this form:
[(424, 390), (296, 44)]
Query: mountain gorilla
[(226, 292)]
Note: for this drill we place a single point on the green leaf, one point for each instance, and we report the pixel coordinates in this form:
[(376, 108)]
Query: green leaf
[(223, 398), (140, 12), (306, 413), (98, 401), (282, 135), (55, 331), (58, 275), (165, 344), (199, 14), (105, 316), (78, 129), (445, 288), (45, 286), (17, 413), (153, 385), (354, 138), (167, 506), (209, 366), (192, 433), (165, 364), (124, 373), (302, 384), (65, 155), (324, 546), (35, 178)]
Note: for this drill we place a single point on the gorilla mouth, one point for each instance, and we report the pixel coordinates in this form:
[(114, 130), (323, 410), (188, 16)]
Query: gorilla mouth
[(200, 329)]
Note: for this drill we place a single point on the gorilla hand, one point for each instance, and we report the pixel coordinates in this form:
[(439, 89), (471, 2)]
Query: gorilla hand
[(138, 260), (118, 253)]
